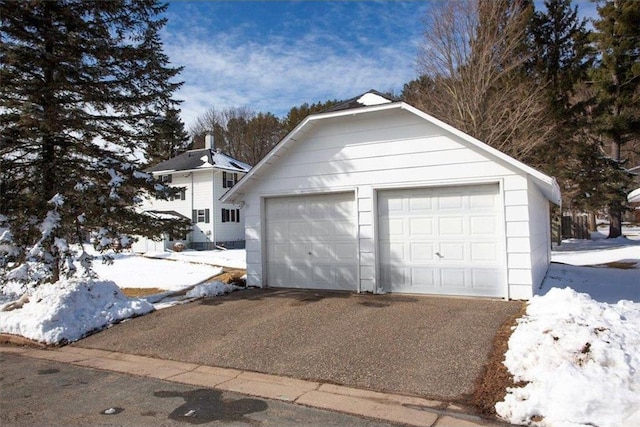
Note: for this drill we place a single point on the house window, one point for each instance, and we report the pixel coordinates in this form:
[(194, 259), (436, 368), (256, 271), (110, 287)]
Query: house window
[(229, 179), (230, 215), (200, 215), (166, 179), (181, 195)]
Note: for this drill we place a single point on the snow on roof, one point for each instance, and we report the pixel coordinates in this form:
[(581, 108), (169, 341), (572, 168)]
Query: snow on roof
[(202, 158), (165, 215), (634, 196), (371, 98)]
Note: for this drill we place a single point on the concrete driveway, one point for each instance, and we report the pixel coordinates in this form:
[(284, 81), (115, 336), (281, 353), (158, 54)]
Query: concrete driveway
[(428, 346)]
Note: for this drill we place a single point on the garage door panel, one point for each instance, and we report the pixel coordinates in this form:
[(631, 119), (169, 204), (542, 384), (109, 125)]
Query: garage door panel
[(296, 251), (478, 201), (452, 278), (423, 277), (277, 251), (297, 230), (484, 279), (483, 225), (451, 226), (344, 278), (421, 252), (451, 252), (449, 202), (421, 227), (343, 230), (483, 252), (441, 240), (311, 242), (420, 204), (345, 251)]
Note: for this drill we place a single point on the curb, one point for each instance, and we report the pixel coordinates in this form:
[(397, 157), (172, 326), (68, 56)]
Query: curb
[(394, 408)]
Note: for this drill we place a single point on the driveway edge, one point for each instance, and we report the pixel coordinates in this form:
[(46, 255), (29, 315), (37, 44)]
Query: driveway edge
[(394, 408)]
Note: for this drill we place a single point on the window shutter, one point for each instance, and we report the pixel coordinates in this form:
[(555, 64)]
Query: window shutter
[(222, 215), (235, 178), (194, 216), (237, 215), (183, 195), (224, 179), (206, 216)]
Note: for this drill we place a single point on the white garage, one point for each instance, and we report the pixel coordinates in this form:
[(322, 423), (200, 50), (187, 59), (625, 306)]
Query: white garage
[(311, 242), (377, 196)]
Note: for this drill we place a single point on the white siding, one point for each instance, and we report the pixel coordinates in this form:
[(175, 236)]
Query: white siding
[(203, 190), (377, 151), (540, 235)]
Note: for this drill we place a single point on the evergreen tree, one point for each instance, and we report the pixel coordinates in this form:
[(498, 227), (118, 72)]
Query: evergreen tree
[(617, 77), (167, 138), (559, 64), (82, 82)]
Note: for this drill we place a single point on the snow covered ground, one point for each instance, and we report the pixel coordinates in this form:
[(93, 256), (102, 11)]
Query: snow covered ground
[(231, 258), (70, 309), (577, 349), (134, 271)]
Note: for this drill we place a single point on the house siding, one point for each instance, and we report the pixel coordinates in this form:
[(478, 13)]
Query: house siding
[(394, 149), (202, 191)]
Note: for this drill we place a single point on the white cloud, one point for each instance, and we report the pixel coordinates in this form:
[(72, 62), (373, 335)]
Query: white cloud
[(275, 74)]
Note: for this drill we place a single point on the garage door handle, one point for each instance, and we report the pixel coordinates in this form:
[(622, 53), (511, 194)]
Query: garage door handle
[(439, 256), (309, 253)]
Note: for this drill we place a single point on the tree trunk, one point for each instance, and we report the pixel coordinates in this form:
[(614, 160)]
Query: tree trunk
[(593, 226), (615, 224), (615, 209)]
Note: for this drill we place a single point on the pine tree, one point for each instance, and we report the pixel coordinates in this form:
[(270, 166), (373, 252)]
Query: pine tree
[(167, 138), (617, 77), (82, 82), (559, 64)]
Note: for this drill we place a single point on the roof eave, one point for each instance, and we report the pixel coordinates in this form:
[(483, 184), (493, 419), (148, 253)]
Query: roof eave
[(547, 184)]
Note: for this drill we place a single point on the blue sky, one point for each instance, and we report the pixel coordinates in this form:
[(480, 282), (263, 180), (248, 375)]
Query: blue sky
[(273, 55)]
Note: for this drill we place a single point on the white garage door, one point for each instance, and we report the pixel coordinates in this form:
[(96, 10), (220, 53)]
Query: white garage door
[(311, 242), (441, 241)]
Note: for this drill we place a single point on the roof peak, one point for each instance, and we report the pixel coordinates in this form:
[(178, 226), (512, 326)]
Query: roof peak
[(366, 99)]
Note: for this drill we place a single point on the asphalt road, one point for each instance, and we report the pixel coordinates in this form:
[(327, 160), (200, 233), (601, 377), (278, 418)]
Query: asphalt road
[(35, 392), (427, 346)]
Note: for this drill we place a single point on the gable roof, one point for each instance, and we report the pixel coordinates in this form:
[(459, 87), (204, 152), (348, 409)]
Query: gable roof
[(545, 183), (372, 97), (200, 159)]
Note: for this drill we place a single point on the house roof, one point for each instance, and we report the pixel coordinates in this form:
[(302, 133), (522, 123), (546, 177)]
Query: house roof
[(372, 97), (547, 184), (200, 159), (165, 215)]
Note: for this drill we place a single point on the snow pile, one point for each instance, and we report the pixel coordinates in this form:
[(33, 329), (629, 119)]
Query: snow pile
[(211, 290), (70, 309), (580, 359)]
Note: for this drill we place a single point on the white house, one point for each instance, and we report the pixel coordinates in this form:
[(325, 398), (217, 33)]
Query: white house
[(205, 175), (377, 196)]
